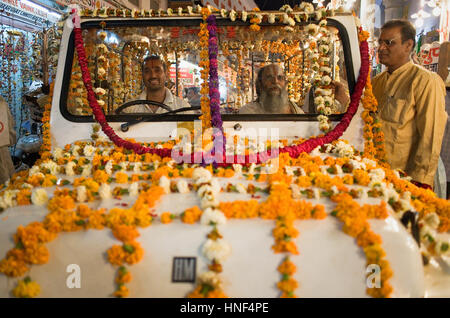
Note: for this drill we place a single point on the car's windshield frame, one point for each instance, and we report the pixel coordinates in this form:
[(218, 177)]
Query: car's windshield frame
[(192, 22)]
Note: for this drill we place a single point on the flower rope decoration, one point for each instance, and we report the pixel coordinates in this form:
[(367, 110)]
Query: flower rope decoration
[(373, 136), (204, 64), (214, 94), (215, 249), (294, 151), (310, 144), (354, 218)]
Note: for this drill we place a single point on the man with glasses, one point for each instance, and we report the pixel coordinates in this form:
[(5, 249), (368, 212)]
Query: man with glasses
[(411, 105)]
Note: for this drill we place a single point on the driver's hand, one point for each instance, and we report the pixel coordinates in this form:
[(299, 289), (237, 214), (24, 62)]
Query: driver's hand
[(340, 93)]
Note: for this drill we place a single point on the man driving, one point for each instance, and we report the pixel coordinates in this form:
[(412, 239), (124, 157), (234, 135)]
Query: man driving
[(155, 75)]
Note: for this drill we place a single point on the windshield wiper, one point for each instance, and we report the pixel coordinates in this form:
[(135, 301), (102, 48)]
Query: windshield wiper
[(125, 126)]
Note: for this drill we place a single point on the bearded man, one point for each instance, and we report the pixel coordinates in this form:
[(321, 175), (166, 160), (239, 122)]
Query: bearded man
[(272, 94)]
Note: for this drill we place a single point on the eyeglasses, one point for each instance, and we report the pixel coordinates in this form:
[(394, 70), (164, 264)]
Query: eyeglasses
[(387, 42)]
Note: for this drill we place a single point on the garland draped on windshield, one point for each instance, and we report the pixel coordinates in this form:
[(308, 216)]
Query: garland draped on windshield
[(294, 151)]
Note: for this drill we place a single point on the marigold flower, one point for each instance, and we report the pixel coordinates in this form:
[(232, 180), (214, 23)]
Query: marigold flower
[(121, 177), (287, 267), (374, 253), (318, 212), (24, 197), (367, 238), (191, 215), (116, 255), (122, 292), (166, 217), (288, 285), (123, 276), (125, 233), (13, 267), (97, 220), (361, 177), (26, 289)]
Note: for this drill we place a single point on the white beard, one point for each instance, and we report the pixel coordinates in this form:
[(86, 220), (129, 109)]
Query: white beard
[(275, 104)]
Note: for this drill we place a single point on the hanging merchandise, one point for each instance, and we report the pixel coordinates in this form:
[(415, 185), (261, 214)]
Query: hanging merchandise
[(28, 62)]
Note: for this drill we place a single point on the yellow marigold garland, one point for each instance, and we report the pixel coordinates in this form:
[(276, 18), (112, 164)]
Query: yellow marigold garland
[(26, 288)]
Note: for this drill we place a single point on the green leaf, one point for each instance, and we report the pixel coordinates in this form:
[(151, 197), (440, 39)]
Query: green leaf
[(19, 245), (444, 247), (27, 280), (334, 213), (257, 176), (327, 193), (80, 222), (429, 238), (285, 277), (65, 182), (128, 248), (206, 289), (391, 201), (123, 270)]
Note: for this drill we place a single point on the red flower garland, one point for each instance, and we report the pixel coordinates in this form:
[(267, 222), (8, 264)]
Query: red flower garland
[(294, 151)]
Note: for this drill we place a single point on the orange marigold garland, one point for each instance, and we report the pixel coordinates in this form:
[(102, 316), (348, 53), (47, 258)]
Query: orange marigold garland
[(355, 224), (372, 133), (46, 146), (373, 136), (281, 206), (123, 277)]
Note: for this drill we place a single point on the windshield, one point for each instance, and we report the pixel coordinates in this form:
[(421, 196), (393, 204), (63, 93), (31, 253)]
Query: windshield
[(278, 69)]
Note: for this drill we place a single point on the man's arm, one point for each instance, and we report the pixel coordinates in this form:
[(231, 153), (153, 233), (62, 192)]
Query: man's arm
[(431, 119)]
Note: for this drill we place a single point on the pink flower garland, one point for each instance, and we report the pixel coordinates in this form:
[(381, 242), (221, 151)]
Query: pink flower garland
[(294, 151)]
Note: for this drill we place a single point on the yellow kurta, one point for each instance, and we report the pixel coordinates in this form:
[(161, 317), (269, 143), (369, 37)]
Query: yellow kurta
[(412, 111)]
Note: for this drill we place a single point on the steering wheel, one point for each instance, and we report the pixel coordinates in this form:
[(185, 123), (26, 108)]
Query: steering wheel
[(140, 102)]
